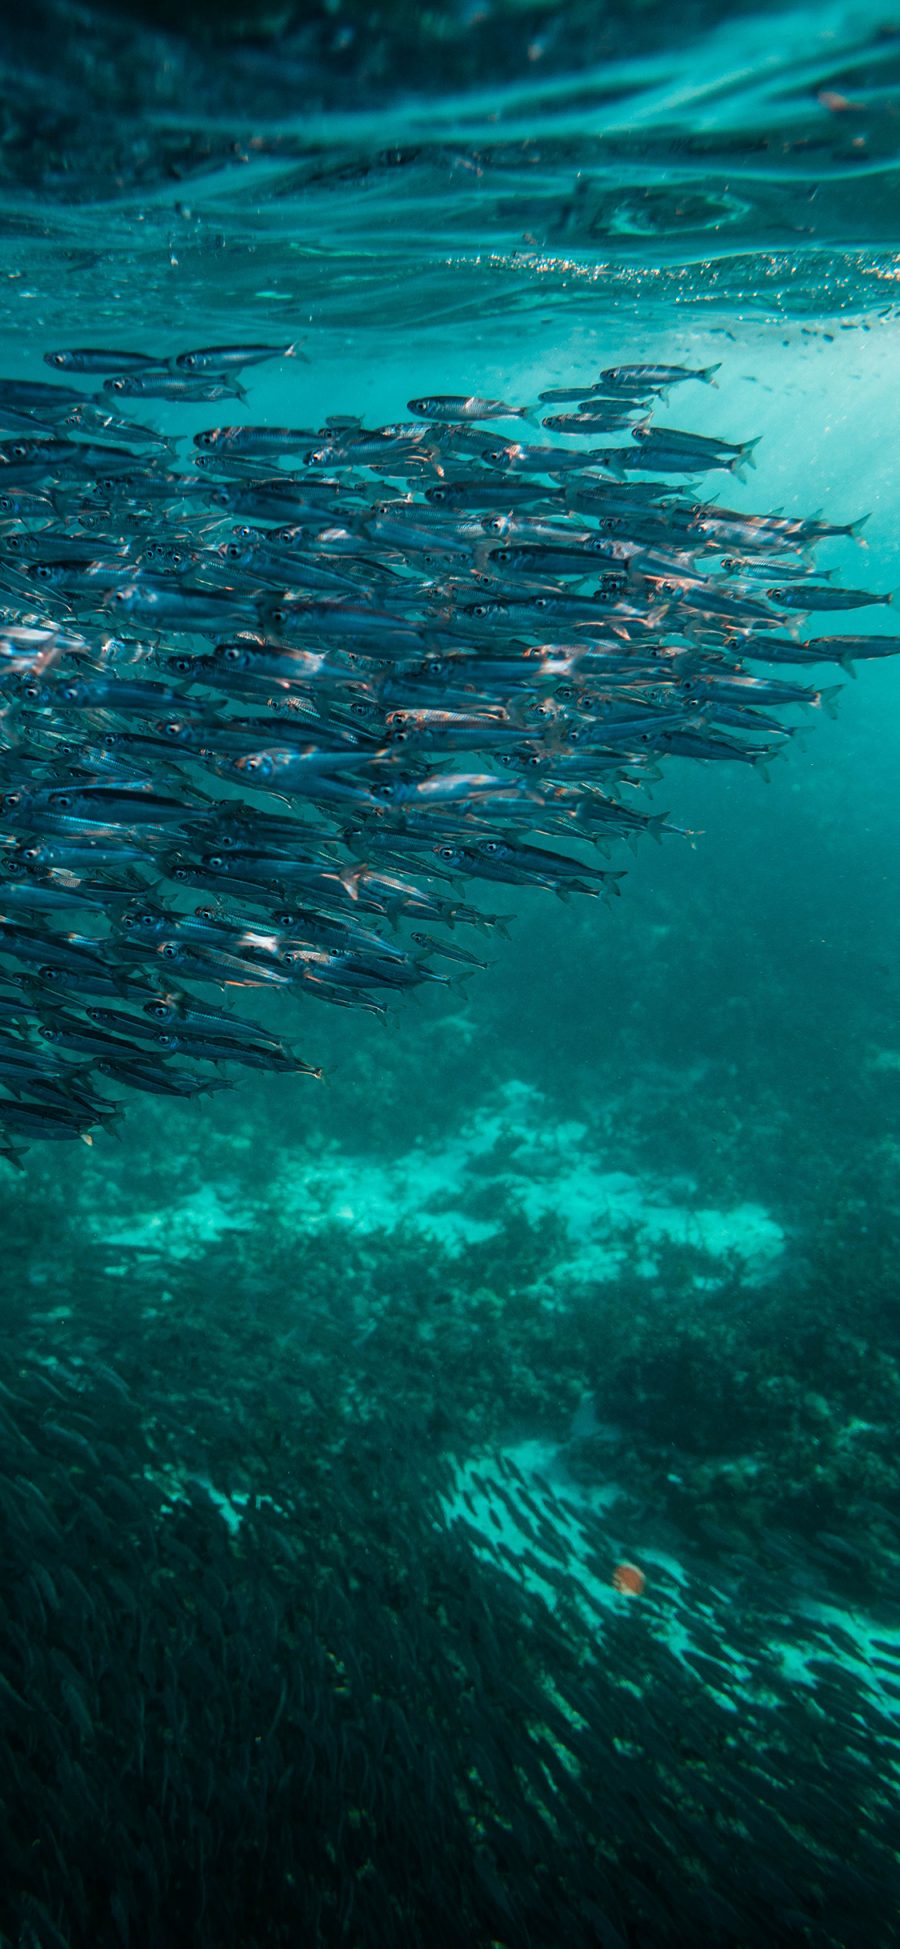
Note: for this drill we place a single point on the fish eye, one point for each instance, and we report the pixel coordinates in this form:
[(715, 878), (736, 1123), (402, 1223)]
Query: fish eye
[(279, 616), (233, 654), (490, 846), (168, 950), (118, 385), (19, 451), (233, 551), (11, 799), (61, 799), (57, 358), (182, 664), (542, 602), (207, 439), (215, 860), (166, 1041), (446, 852), (502, 555)]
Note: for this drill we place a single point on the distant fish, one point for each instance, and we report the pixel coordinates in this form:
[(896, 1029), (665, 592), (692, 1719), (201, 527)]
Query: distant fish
[(658, 375), (627, 1578), (459, 406), (90, 359), (231, 358), (815, 595)]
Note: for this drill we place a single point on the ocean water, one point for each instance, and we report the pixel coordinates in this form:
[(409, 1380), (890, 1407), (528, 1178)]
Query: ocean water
[(452, 1500)]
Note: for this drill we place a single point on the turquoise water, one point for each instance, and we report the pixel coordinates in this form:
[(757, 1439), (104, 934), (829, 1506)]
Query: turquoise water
[(454, 1500)]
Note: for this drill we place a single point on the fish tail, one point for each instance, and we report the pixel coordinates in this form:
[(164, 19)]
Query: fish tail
[(744, 457), (708, 373), (828, 699)]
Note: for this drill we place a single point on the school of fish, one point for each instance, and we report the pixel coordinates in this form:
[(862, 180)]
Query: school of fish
[(273, 707)]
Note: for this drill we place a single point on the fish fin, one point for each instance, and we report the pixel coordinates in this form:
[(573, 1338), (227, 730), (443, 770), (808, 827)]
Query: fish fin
[(855, 528), (350, 877), (12, 1155), (828, 699), (708, 373), (846, 663), (745, 456)]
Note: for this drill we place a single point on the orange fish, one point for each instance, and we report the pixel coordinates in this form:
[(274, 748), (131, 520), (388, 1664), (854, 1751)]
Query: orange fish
[(628, 1578)]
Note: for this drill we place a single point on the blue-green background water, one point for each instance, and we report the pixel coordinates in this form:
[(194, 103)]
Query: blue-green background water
[(329, 1411)]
